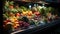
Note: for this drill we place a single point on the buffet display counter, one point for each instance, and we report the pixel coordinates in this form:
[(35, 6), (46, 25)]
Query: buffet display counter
[(20, 17), (38, 28)]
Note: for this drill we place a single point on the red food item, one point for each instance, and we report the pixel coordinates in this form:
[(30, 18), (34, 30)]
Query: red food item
[(6, 21), (36, 18), (11, 6), (15, 27), (56, 17), (48, 18), (26, 24), (37, 13), (17, 14), (21, 23)]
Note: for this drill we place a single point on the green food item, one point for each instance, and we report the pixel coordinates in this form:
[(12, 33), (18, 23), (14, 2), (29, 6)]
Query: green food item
[(6, 6), (19, 10), (11, 3), (39, 8), (13, 10), (20, 18), (31, 22), (7, 3), (43, 12), (25, 19), (24, 8), (6, 15), (36, 23), (49, 10), (34, 8)]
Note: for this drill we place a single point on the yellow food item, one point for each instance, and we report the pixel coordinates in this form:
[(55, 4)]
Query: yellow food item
[(49, 15), (29, 17), (13, 19), (30, 13), (17, 17), (24, 13), (17, 24)]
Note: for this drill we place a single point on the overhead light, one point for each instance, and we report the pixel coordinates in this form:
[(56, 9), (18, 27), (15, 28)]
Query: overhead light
[(30, 6)]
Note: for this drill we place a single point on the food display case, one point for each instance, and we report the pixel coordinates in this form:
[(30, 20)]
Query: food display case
[(27, 16)]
